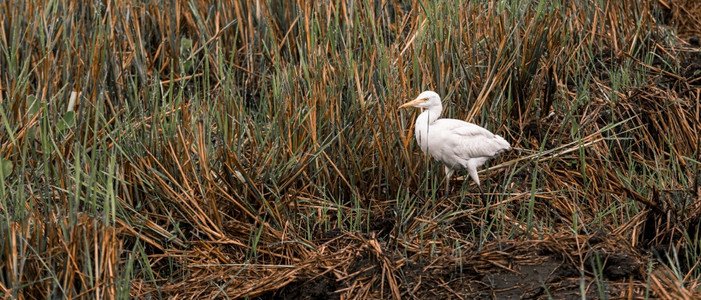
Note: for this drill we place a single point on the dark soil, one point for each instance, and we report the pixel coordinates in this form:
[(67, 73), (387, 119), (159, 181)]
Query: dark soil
[(691, 64), (504, 271), (526, 281), (320, 288), (548, 276)]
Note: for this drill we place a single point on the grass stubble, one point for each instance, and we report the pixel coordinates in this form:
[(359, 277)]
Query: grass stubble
[(244, 149)]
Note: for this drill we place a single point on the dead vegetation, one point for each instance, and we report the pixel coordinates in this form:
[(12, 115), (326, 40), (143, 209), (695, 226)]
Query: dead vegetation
[(253, 149)]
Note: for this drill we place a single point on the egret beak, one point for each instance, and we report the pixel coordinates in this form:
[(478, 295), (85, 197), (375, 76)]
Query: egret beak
[(414, 102)]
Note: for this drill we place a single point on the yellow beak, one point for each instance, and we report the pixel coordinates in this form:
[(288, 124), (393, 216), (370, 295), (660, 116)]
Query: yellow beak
[(414, 102)]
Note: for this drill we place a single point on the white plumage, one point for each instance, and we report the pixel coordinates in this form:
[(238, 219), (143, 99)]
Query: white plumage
[(455, 143)]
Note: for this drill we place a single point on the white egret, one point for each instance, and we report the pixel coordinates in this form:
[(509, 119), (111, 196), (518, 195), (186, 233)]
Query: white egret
[(455, 143)]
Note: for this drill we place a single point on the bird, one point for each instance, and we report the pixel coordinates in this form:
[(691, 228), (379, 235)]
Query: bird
[(456, 143)]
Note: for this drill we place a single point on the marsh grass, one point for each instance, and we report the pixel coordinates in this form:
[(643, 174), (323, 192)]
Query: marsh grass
[(254, 148)]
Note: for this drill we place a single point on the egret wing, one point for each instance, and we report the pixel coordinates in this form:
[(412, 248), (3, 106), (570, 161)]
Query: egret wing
[(462, 128), (469, 141)]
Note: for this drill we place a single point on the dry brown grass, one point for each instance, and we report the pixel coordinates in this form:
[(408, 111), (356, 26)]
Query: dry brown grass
[(253, 149)]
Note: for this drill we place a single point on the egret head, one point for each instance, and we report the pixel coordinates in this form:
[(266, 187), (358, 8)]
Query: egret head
[(424, 100)]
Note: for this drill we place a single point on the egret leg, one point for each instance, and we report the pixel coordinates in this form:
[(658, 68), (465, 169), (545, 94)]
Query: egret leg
[(483, 199), (473, 174), (488, 216), (448, 174)]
